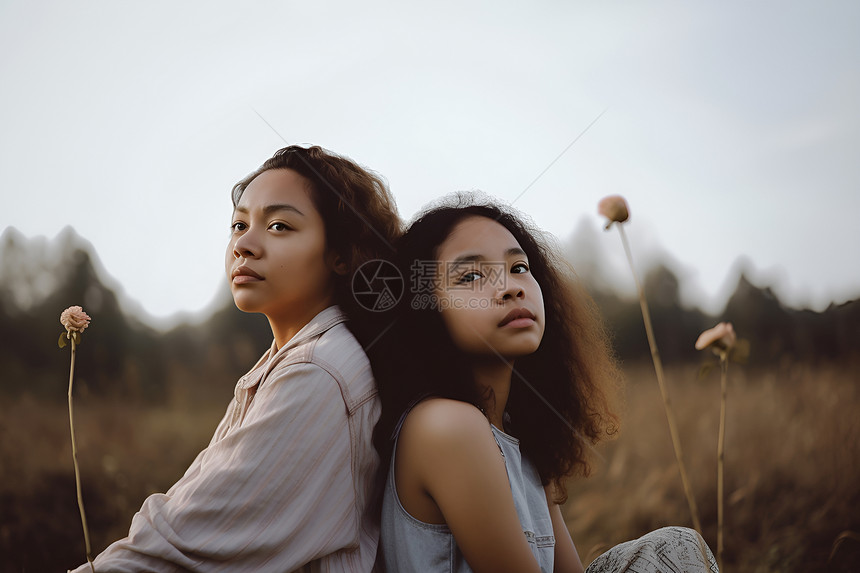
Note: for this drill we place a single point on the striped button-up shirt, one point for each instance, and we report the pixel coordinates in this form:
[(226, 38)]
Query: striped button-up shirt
[(285, 483)]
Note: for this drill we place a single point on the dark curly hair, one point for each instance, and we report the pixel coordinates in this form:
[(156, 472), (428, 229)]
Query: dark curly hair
[(359, 214), (558, 402)]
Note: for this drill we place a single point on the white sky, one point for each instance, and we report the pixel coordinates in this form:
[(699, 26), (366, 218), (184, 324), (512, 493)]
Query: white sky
[(733, 129)]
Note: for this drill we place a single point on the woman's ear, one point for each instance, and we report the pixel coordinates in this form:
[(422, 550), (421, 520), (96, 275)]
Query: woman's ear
[(337, 264)]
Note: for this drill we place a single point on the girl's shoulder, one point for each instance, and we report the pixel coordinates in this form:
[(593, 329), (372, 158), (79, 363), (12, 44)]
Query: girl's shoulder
[(436, 411), (440, 423)]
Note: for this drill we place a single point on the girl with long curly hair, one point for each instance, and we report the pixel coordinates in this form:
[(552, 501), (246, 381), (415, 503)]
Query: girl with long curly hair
[(285, 483), (498, 381)]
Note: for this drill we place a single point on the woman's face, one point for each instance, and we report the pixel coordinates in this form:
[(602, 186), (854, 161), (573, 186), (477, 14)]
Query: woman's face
[(489, 300), (276, 259)]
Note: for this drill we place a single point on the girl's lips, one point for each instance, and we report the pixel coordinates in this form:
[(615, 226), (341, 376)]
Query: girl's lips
[(518, 318), (520, 322), (243, 275), (244, 279)]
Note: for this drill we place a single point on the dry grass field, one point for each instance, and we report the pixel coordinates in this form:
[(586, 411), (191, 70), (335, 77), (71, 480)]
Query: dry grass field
[(792, 468), (792, 476), (125, 452)]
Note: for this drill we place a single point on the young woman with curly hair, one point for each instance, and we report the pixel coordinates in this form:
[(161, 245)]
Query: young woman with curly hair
[(285, 483), (496, 387)]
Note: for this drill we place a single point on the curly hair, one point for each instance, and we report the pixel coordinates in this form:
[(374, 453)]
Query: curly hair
[(558, 402), (357, 209)]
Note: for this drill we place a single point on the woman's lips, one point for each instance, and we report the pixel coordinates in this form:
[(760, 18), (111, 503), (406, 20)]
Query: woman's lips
[(244, 275), (518, 318), (520, 323)]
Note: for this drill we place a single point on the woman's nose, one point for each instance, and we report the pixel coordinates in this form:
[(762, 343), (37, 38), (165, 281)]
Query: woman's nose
[(512, 290), (246, 246)]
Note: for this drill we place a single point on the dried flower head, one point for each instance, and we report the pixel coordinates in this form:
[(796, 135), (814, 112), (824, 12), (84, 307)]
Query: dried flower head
[(721, 337), (74, 319), (613, 208)]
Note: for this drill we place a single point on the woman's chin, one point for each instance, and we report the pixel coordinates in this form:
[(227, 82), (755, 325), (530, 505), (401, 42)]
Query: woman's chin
[(521, 350), (245, 305)]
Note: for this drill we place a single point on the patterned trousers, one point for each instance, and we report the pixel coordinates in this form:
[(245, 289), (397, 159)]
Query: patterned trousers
[(666, 550)]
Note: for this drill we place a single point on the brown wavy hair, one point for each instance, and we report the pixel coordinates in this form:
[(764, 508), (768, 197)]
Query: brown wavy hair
[(358, 211), (559, 398)]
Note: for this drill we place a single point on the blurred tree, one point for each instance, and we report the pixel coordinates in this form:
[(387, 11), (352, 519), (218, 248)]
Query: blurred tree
[(675, 328), (122, 357)]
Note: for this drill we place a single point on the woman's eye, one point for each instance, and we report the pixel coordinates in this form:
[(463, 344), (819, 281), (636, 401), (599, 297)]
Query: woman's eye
[(469, 277), (238, 226), (279, 227), (520, 268)]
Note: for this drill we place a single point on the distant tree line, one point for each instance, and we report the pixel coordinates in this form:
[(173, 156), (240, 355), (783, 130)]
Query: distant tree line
[(773, 331), (124, 358)]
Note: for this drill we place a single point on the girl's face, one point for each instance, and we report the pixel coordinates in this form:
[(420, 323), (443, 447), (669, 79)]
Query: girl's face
[(489, 300), (277, 260)]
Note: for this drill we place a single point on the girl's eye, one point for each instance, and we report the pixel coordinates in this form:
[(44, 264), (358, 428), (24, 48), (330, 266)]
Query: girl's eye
[(471, 276), (238, 226), (520, 268), (279, 227)]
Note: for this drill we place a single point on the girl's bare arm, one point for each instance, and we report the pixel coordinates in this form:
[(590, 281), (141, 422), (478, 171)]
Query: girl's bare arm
[(446, 451), (566, 557)]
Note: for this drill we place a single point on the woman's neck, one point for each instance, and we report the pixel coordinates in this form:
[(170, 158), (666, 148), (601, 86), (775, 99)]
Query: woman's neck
[(285, 327), (494, 377)]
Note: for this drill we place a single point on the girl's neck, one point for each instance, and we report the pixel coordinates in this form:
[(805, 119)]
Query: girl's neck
[(284, 328), (493, 376)]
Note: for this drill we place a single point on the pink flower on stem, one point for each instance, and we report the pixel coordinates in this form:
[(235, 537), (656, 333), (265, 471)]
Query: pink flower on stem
[(74, 319), (721, 337), (613, 208)]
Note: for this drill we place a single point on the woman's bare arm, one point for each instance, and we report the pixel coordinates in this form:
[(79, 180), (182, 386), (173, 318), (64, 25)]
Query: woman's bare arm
[(566, 557), (446, 451)]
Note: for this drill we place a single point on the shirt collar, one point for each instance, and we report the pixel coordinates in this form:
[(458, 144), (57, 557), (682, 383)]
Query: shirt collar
[(323, 321)]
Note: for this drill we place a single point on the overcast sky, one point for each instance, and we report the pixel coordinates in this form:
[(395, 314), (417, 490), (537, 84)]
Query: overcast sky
[(733, 129)]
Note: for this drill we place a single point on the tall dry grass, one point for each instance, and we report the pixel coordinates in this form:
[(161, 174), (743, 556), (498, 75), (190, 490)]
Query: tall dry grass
[(126, 452), (792, 476), (792, 468)]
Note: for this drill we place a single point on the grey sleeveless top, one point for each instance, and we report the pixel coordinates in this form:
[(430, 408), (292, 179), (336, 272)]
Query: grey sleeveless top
[(408, 544)]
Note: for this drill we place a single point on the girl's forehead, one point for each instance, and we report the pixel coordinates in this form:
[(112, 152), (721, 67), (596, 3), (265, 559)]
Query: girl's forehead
[(477, 235), (277, 187)]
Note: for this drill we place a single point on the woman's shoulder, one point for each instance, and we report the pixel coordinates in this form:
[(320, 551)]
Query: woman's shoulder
[(436, 407), (441, 422), (332, 355), (337, 344)]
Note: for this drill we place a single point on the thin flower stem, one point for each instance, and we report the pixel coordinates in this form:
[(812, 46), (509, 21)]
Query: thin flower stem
[(721, 450), (75, 460), (658, 367)]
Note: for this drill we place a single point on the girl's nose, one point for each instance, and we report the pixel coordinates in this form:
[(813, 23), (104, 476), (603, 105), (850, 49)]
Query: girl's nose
[(512, 290), (245, 246)]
